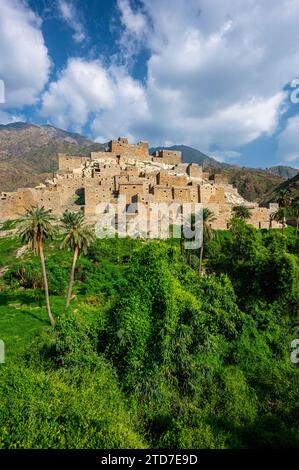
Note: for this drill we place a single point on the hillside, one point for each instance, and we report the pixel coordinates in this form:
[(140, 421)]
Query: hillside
[(284, 171), (28, 153), (150, 354), (291, 185), (252, 183), (192, 155)]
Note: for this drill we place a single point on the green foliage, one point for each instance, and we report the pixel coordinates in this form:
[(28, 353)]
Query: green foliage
[(62, 410), (258, 263), (151, 355), (75, 232), (35, 226), (28, 274), (241, 212)]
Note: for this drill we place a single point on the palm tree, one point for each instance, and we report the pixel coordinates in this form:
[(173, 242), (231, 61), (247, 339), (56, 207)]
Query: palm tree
[(280, 216), (77, 236), (241, 212), (207, 234), (34, 228), (295, 213), (284, 200), (271, 218)]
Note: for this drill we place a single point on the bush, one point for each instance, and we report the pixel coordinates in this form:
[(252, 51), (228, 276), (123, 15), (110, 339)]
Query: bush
[(62, 410)]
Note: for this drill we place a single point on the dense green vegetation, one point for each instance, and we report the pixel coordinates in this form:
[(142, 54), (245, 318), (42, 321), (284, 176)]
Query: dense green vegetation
[(149, 354)]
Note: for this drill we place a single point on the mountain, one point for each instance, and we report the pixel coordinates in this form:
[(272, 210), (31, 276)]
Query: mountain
[(286, 172), (291, 185), (20, 138), (191, 155), (252, 183), (28, 153)]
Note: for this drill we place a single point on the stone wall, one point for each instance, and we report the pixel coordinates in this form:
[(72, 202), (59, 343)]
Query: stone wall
[(128, 170), (165, 178), (69, 163), (122, 147), (171, 157)]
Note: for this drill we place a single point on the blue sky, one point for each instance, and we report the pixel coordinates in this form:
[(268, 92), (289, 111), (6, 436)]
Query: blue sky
[(217, 75)]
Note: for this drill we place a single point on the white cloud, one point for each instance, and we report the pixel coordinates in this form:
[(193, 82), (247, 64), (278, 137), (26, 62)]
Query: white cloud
[(86, 87), (8, 118), (82, 88), (288, 143), (225, 155), (215, 74), (69, 14), (217, 67), (135, 31), (24, 60), (135, 22)]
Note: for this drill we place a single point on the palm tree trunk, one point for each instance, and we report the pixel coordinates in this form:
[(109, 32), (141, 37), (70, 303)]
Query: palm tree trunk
[(42, 259), (200, 260), (68, 299)]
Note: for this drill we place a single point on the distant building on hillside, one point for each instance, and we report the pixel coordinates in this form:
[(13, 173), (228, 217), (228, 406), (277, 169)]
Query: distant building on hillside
[(128, 170)]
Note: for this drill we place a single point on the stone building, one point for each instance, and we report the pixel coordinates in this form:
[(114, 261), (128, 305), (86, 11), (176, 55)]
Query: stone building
[(128, 170)]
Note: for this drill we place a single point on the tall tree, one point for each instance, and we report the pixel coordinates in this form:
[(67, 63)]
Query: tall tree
[(271, 218), (284, 201), (77, 236), (33, 229), (281, 217), (295, 213), (284, 198), (241, 212), (207, 234)]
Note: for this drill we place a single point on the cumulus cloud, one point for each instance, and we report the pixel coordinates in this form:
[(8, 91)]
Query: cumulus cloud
[(86, 88), (24, 63), (69, 14), (83, 87), (215, 74), (225, 155), (288, 143), (136, 28), (8, 118)]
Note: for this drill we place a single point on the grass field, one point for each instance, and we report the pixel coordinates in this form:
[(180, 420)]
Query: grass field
[(22, 316)]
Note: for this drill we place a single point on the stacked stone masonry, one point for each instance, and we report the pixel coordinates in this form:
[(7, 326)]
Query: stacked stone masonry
[(128, 170)]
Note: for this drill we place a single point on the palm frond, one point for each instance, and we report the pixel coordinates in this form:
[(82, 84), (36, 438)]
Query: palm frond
[(75, 232), (35, 226)]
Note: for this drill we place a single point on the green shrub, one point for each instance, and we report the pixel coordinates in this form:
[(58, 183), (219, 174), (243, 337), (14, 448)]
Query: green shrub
[(62, 410)]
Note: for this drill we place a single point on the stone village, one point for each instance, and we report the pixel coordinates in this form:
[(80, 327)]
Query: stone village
[(128, 171)]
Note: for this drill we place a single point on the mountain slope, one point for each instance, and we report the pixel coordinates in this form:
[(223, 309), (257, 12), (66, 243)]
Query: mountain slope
[(291, 185), (21, 138), (191, 155), (284, 171), (28, 153), (252, 183)]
